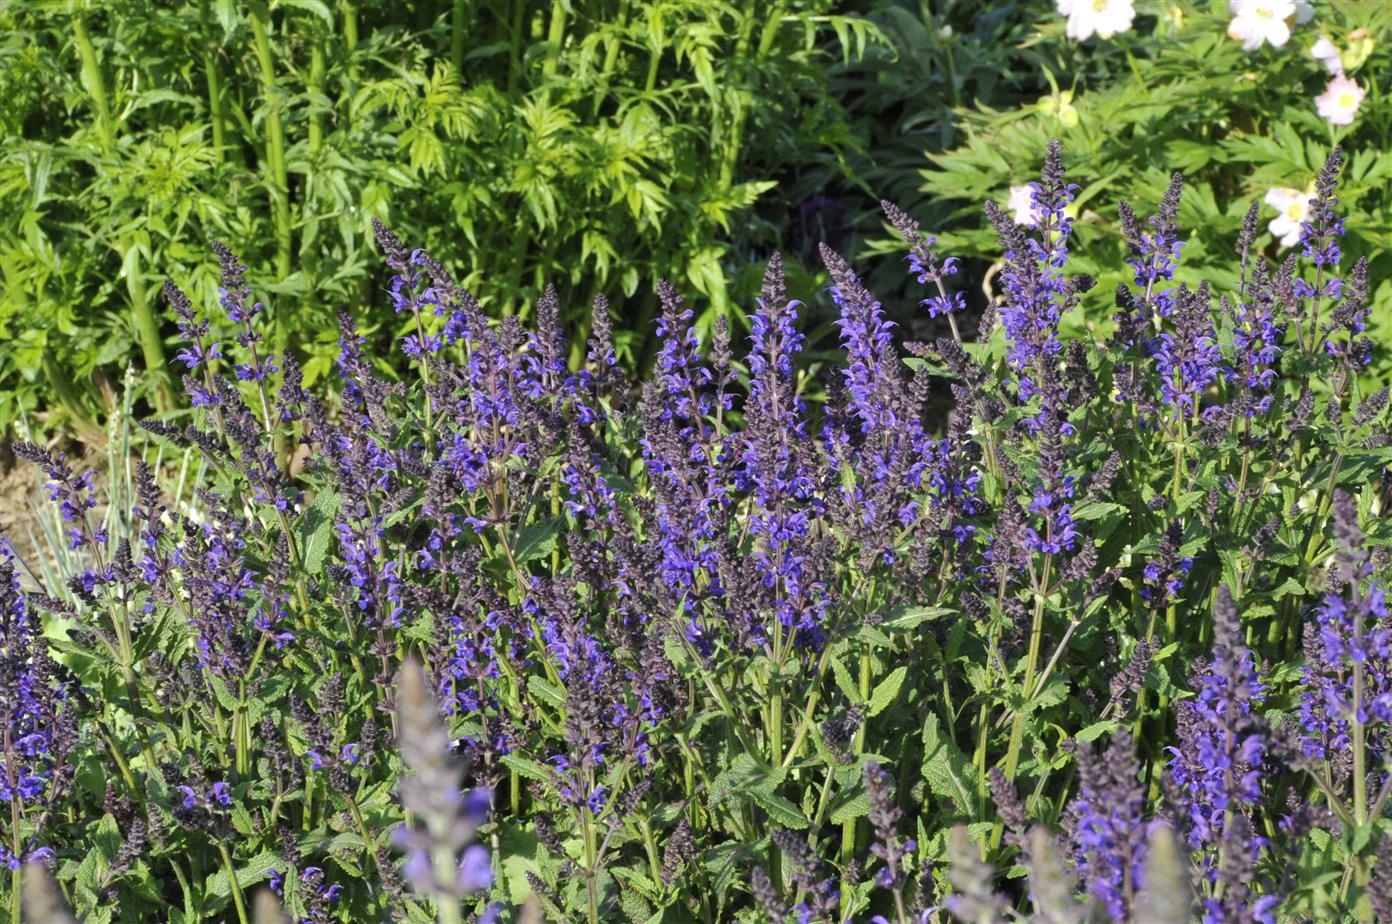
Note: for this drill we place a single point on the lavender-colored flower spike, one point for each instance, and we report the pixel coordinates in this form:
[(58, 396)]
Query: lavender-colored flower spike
[(884, 818), (1217, 767), (1320, 232), (776, 463), (1108, 826), (1035, 289), (1154, 254), (1346, 697), (446, 815), (72, 492), (197, 352), (928, 266), (236, 298), (1188, 359), (37, 730)]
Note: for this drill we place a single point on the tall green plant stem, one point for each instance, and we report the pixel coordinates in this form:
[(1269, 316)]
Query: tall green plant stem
[(1012, 757), (96, 88), (62, 385), (212, 74), (458, 17), (515, 48), (555, 36), (238, 901), (277, 179), (591, 854), (350, 29), (315, 85), (147, 327)]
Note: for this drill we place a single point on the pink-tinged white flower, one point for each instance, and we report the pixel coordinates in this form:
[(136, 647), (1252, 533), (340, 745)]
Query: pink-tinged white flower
[(1258, 21), (1294, 206), (1340, 100), (1327, 53), (1021, 205), (1103, 18)]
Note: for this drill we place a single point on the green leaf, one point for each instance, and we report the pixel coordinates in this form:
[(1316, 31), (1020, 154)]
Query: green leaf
[(536, 541), (845, 683), (256, 869), (743, 770), (1095, 731), (886, 691), (780, 809), (107, 839), (315, 531), (904, 618), (546, 691), (945, 768), (526, 767), (856, 807)]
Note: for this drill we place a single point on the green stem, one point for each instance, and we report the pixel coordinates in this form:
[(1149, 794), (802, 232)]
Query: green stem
[(848, 827), (555, 34), (62, 385), (461, 11), (591, 884), (213, 76), (91, 76), (1012, 758), (315, 85), (277, 179), (237, 899), (147, 328), (184, 886), (515, 50)]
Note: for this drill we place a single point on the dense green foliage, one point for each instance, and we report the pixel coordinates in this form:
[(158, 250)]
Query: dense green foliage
[(586, 145)]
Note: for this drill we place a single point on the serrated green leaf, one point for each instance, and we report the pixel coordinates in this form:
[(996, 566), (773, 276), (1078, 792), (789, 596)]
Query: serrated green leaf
[(844, 682), (315, 531), (886, 691), (536, 541), (255, 870), (856, 807), (1095, 731), (903, 618), (780, 809), (527, 767), (107, 838), (945, 768), (546, 691)]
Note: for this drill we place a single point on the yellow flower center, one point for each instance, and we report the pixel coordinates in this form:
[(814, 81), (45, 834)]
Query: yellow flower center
[(1099, 6), (1346, 100), (1295, 211)]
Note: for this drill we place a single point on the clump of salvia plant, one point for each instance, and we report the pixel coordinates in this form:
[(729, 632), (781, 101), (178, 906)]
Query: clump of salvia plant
[(1108, 611)]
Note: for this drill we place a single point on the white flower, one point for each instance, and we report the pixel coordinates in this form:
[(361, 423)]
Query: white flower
[(1294, 206), (1304, 12), (1021, 205), (1327, 53), (1257, 21), (1340, 100), (1105, 18)]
